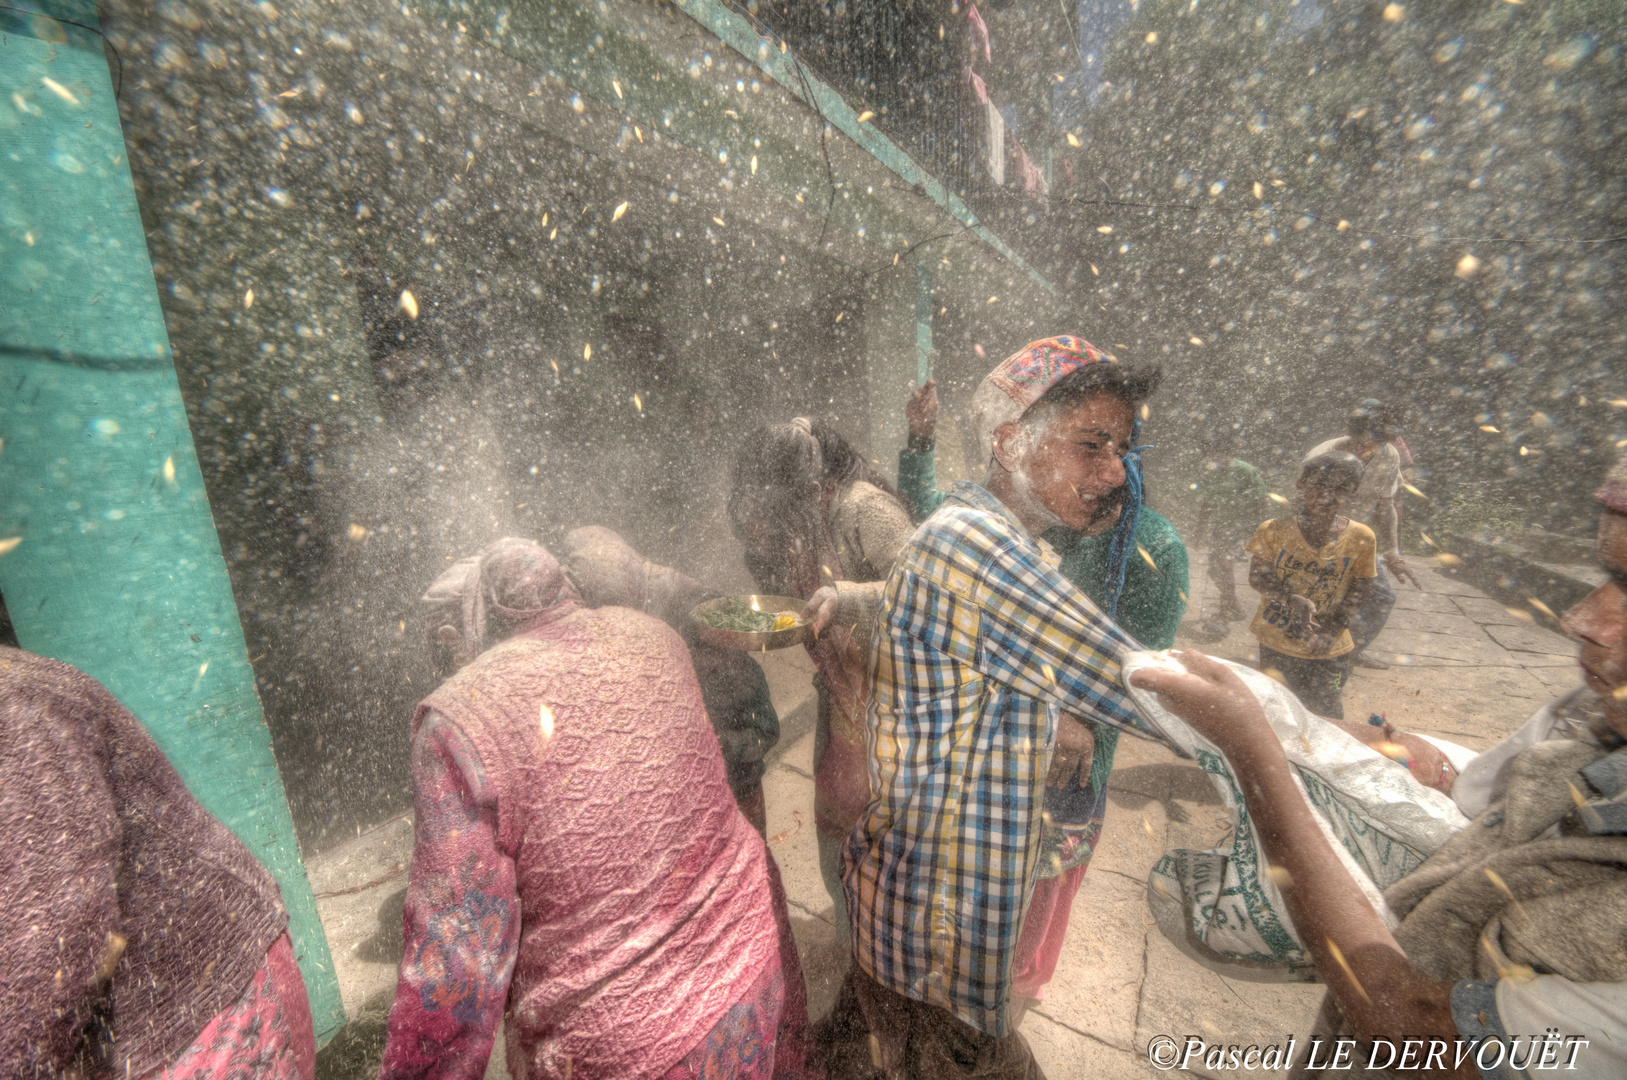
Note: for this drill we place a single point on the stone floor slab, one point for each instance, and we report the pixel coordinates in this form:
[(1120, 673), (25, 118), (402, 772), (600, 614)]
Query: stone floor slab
[(1527, 638), (1180, 997), (1451, 622), (1486, 611)]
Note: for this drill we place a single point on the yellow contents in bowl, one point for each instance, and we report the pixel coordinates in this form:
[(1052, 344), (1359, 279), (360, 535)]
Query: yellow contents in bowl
[(785, 620)]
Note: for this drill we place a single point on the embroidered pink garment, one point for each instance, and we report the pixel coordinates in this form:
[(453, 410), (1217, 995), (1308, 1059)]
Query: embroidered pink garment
[(266, 1034), (579, 847)]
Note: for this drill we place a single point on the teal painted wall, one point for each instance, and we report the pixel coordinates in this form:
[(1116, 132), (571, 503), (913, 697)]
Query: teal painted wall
[(117, 567)]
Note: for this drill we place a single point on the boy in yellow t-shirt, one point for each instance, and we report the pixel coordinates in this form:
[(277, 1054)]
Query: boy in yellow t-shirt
[(1312, 571)]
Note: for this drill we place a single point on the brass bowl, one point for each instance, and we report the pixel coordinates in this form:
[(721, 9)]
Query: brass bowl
[(753, 641)]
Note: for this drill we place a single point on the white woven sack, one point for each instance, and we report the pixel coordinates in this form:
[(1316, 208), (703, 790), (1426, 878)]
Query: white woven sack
[(1220, 906)]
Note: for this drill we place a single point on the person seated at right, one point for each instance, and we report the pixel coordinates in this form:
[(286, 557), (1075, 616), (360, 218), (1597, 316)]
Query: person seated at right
[(1312, 570), (1518, 923)]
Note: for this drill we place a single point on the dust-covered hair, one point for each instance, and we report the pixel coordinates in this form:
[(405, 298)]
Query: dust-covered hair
[(1337, 468)]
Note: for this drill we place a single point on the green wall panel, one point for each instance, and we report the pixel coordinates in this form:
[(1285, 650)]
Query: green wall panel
[(117, 567)]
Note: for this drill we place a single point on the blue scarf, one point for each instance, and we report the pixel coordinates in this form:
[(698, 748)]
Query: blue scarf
[(1124, 534)]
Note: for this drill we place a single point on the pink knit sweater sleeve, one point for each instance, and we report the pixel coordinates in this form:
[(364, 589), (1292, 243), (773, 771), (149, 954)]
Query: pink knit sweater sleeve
[(462, 917)]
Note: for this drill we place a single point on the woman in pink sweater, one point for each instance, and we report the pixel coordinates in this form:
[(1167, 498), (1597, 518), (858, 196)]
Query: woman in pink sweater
[(580, 867)]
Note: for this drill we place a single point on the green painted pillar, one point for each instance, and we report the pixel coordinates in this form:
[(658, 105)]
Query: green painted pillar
[(923, 323), (116, 567)]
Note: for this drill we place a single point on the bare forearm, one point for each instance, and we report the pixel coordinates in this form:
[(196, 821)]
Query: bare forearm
[(1381, 993), (1384, 526)]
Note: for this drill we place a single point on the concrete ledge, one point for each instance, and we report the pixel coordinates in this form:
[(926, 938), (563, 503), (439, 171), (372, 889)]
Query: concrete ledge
[(1556, 570)]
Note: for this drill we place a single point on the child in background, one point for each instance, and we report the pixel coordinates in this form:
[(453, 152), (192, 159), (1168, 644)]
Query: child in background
[(1312, 571), (1231, 504)]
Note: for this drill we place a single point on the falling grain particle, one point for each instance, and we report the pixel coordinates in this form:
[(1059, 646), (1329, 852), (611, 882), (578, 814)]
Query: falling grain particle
[(1497, 880), (1182, 595), (1342, 226), (839, 315), (111, 955), (554, 364), (1339, 957), (1274, 675), (866, 115), (553, 234), (1448, 559), (1394, 13), (1259, 190), (169, 469), (638, 403), (1415, 491), (1540, 606), (1426, 538), (60, 91), (1104, 229), (619, 211), (1049, 673), (1145, 554), (1523, 616), (1277, 498), (1280, 877), (1393, 751), (895, 258), (9, 544), (615, 84), (1152, 38), (720, 223), (248, 299), (358, 532), (1145, 824), (754, 164), (1146, 411), (875, 1051), (408, 303), (546, 716), (1488, 427), (545, 219), (639, 133), (1195, 340), (994, 299), (587, 351), (1467, 267), (1095, 271), (1073, 140)]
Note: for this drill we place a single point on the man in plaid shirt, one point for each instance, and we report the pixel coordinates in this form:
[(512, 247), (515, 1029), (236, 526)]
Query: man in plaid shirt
[(982, 650)]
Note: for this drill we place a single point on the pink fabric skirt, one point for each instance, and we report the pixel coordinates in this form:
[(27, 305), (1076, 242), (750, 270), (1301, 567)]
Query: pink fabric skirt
[(741, 1045), (1045, 925), (266, 1035)]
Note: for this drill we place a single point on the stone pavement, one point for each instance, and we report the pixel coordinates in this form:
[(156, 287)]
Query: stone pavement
[(1464, 667)]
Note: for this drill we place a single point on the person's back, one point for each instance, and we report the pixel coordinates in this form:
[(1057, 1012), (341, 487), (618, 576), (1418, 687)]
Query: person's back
[(137, 933), (644, 909)]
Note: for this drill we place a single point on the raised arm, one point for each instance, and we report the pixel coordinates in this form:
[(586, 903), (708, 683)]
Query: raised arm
[(917, 467)]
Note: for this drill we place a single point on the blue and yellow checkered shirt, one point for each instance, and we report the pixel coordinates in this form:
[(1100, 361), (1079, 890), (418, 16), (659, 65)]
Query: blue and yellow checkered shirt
[(981, 644)]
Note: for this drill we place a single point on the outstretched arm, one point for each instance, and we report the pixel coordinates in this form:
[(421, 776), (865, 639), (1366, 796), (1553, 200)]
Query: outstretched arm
[(1382, 994)]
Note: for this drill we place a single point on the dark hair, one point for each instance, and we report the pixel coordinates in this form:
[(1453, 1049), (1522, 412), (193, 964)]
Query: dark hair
[(1375, 420), (1334, 467), (780, 474), (1133, 383)]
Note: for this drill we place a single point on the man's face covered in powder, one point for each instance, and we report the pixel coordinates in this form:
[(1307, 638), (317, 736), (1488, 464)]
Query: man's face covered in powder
[(1599, 622), (1075, 460)]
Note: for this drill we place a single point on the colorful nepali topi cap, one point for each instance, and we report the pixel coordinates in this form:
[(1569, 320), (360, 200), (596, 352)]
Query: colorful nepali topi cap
[(1614, 492), (1040, 365), (1022, 379)]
